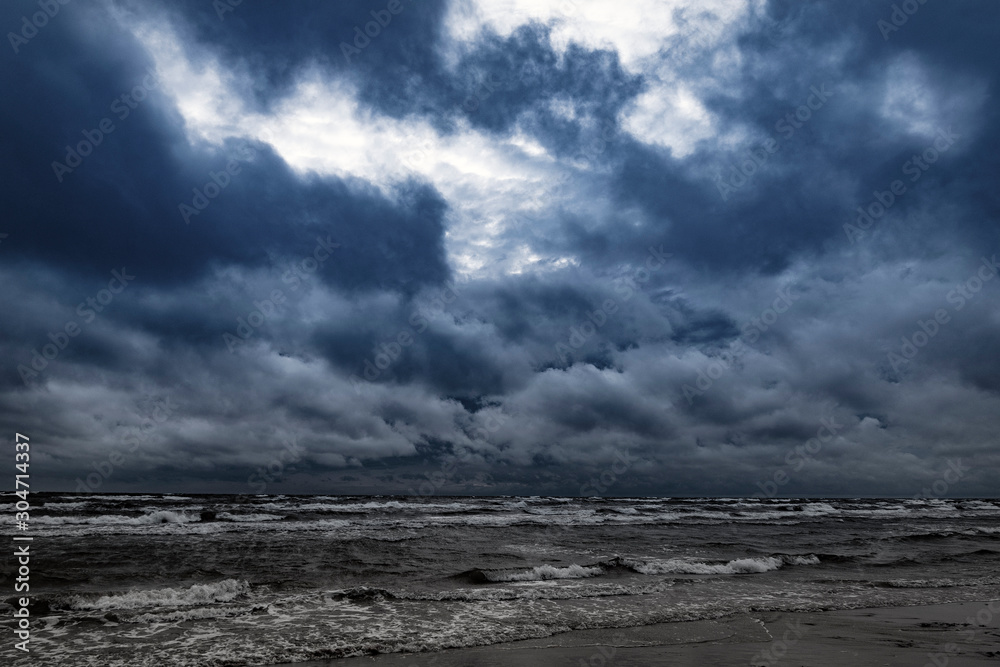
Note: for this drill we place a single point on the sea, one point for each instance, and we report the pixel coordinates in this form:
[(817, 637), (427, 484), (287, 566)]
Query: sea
[(179, 581)]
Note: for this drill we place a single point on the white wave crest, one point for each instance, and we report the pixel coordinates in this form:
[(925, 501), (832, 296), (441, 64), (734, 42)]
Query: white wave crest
[(737, 566), (199, 594), (805, 560), (249, 518), (546, 572), (161, 516)]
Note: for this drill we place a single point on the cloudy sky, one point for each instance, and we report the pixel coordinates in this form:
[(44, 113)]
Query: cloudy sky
[(582, 247)]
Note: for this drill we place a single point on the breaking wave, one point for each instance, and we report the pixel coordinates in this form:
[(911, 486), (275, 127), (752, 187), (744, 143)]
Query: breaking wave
[(161, 516), (546, 572), (736, 566), (672, 566), (199, 594), (739, 566)]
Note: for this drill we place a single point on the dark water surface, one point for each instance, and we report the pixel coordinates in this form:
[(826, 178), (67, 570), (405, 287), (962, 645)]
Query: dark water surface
[(143, 580)]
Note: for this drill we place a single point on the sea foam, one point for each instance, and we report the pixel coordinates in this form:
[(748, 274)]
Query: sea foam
[(199, 594)]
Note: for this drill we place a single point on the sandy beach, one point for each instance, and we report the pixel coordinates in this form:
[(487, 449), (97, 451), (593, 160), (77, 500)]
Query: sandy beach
[(933, 635)]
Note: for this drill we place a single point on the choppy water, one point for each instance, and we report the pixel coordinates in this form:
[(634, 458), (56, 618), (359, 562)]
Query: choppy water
[(143, 580)]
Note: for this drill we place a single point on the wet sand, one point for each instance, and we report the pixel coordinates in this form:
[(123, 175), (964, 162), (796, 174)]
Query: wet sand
[(932, 635)]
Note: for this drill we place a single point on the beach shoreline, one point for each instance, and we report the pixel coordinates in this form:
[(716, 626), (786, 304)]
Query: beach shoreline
[(526, 581), (936, 635)]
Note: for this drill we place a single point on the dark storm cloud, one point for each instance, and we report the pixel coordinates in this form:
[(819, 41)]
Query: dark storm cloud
[(123, 203), (272, 45), (479, 340), (401, 71), (823, 167), (520, 74), (539, 379)]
